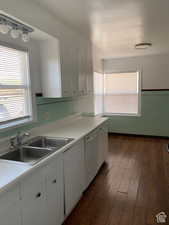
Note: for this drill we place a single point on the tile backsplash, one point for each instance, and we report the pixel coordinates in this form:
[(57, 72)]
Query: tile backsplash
[(48, 110)]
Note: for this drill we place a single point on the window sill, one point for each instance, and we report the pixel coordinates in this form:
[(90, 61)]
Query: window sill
[(122, 114), (15, 124)]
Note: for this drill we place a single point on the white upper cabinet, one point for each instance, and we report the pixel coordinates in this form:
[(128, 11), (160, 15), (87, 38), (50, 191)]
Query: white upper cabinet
[(69, 68), (81, 68), (85, 68), (90, 72), (66, 67), (50, 68)]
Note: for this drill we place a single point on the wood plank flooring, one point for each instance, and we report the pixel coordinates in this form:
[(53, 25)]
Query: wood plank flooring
[(131, 187)]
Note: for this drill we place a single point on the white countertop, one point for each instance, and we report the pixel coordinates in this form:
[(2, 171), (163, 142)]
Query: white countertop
[(73, 127)]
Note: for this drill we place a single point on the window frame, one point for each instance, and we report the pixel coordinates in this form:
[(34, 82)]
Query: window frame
[(138, 114), (21, 121)]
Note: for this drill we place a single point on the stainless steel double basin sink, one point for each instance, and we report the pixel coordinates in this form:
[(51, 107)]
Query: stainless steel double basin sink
[(36, 149)]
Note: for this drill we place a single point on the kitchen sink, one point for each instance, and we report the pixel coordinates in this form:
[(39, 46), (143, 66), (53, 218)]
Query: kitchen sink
[(35, 149), (49, 142), (26, 155)]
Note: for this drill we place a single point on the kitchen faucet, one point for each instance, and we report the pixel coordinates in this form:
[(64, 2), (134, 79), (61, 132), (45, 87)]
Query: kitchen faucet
[(16, 141)]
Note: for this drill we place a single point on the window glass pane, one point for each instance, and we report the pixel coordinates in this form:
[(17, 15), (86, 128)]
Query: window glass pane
[(121, 93), (13, 66), (13, 104)]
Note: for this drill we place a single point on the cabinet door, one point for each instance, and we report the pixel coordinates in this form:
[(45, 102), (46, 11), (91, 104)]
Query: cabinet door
[(102, 145), (105, 141), (91, 157), (74, 69), (10, 210), (82, 60), (69, 68), (55, 192), (66, 73), (34, 199), (90, 72), (73, 175)]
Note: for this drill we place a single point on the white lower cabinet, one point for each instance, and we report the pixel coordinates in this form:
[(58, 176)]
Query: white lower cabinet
[(10, 210), (34, 199), (42, 195), (55, 192), (73, 175), (102, 144), (49, 193)]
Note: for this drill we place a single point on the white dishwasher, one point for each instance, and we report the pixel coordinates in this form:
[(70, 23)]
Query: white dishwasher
[(91, 156)]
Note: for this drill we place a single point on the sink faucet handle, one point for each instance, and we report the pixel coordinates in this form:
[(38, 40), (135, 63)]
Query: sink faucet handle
[(22, 136), (12, 142), (26, 134)]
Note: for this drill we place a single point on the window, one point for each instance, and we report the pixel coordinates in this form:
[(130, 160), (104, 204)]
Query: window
[(15, 95), (121, 93)]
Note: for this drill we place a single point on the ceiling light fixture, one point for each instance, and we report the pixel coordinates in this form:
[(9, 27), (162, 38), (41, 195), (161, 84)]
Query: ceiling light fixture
[(15, 32), (143, 45), (17, 28), (4, 28), (25, 36)]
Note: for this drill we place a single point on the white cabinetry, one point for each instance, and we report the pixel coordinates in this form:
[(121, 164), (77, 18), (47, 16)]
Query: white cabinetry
[(69, 69), (42, 195), (73, 175), (55, 192), (82, 69), (50, 68), (66, 67), (10, 210), (102, 144), (34, 199), (85, 68), (49, 193)]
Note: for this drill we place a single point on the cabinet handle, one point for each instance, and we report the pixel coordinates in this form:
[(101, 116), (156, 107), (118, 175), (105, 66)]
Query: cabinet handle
[(54, 181), (38, 195)]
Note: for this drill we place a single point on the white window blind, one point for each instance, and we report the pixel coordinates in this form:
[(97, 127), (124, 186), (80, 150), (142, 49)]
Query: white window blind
[(15, 96), (121, 93)]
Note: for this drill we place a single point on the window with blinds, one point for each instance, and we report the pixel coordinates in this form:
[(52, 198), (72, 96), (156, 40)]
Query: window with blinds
[(15, 95), (121, 93)]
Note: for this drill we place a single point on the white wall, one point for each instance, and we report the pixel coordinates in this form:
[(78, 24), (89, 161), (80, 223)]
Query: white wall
[(154, 68)]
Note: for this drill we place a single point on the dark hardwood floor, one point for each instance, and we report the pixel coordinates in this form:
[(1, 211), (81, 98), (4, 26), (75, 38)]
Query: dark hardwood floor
[(131, 188)]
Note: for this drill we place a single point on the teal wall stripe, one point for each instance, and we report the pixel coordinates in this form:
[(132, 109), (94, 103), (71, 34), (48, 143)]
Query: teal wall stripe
[(154, 119)]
